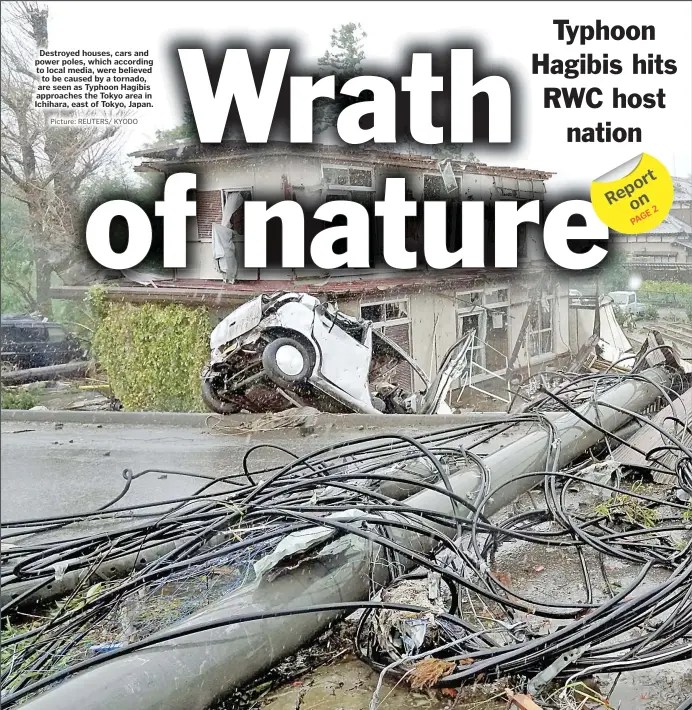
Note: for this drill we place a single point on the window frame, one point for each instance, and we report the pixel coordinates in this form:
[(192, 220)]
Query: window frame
[(333, 187), (541, 355), (384, 324), (484, 308), (393, 321), (223, 191), (427, 173)]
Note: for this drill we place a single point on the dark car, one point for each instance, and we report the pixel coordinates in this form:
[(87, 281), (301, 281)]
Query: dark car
[(33, 342)]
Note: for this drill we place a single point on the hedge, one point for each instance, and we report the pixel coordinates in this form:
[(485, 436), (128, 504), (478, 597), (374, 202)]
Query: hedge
[(669, 293), (152, 354)]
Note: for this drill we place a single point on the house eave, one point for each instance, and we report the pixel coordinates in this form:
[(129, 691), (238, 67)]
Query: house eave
[(172, 157)]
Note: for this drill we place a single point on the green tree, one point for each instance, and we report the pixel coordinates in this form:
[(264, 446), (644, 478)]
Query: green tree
[(186, 130), (343, 59), (47, 165), (346, 52), (16, 263)]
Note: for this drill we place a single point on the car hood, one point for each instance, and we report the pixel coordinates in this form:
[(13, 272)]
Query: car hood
[(241, 321)]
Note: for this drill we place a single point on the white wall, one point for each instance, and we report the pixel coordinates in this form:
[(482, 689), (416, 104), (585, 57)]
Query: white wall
[(434, 321), (265, 175)]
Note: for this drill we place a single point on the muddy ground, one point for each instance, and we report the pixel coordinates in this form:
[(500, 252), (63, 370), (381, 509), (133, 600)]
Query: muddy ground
[(348, 684), (544, 574)]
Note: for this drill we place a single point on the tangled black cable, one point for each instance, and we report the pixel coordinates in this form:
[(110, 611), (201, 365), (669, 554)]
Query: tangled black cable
[(477, 623)]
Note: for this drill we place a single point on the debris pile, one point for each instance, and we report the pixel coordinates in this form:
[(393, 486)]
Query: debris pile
[(291, 348), (418, 535)]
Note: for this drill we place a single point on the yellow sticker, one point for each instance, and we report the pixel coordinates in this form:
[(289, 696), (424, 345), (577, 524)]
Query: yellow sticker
[(634, 197)]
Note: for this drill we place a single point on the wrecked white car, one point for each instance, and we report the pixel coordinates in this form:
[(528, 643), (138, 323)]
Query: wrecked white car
[(291, 349)]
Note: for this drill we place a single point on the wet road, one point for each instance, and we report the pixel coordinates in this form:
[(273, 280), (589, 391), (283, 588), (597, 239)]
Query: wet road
[(50, 471)]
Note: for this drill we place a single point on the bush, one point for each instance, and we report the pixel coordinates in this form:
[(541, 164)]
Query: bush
[(667, 288), (152, 354), (17, 399), (666, 293), (650, 312)]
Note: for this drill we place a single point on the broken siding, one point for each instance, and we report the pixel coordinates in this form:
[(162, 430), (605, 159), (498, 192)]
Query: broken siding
[(300, 177), (647, 438), (434, 327)]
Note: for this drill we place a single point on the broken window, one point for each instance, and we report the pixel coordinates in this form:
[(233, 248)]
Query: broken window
[(541, 326), (471, 317), (486, 312), (238, 220), (470, 301), (384, 313), (337, 176), (496, 329), (392, 319)]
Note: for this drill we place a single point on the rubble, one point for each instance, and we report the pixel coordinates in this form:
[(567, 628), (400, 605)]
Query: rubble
[(300, 417), (413, 533), (291, 348)]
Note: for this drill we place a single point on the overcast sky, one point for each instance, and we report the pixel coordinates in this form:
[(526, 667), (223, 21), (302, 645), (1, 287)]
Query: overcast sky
[(506, 33)]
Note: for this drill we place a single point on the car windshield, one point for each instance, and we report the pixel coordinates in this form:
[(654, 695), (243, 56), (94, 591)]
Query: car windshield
[(620, 298)]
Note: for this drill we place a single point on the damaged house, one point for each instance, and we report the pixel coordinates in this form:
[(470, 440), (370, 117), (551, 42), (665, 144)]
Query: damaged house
[(666, 250), (424, 311)]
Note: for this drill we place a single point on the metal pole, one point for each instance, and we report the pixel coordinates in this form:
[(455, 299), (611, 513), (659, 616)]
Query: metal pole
[(192, 672), (11, 588)]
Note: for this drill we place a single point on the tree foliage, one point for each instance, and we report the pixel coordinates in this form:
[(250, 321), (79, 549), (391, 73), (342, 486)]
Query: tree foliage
[(186, 130), (345, 53), (47, 165), (16, 260), (153, 354), (343, 59)]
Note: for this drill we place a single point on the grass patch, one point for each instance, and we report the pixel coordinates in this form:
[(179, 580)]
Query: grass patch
[(629, 508), (17, 399)]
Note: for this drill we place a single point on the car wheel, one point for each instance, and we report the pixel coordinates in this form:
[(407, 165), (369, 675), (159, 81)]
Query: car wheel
[(214, 402), (287, 361)]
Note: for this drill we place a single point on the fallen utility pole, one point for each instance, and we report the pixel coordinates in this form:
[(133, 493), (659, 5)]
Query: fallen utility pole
[(49, 372), (12, 588), (191, 672)]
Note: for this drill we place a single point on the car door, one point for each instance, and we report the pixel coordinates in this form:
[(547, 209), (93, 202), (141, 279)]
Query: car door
[(345, 362)]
